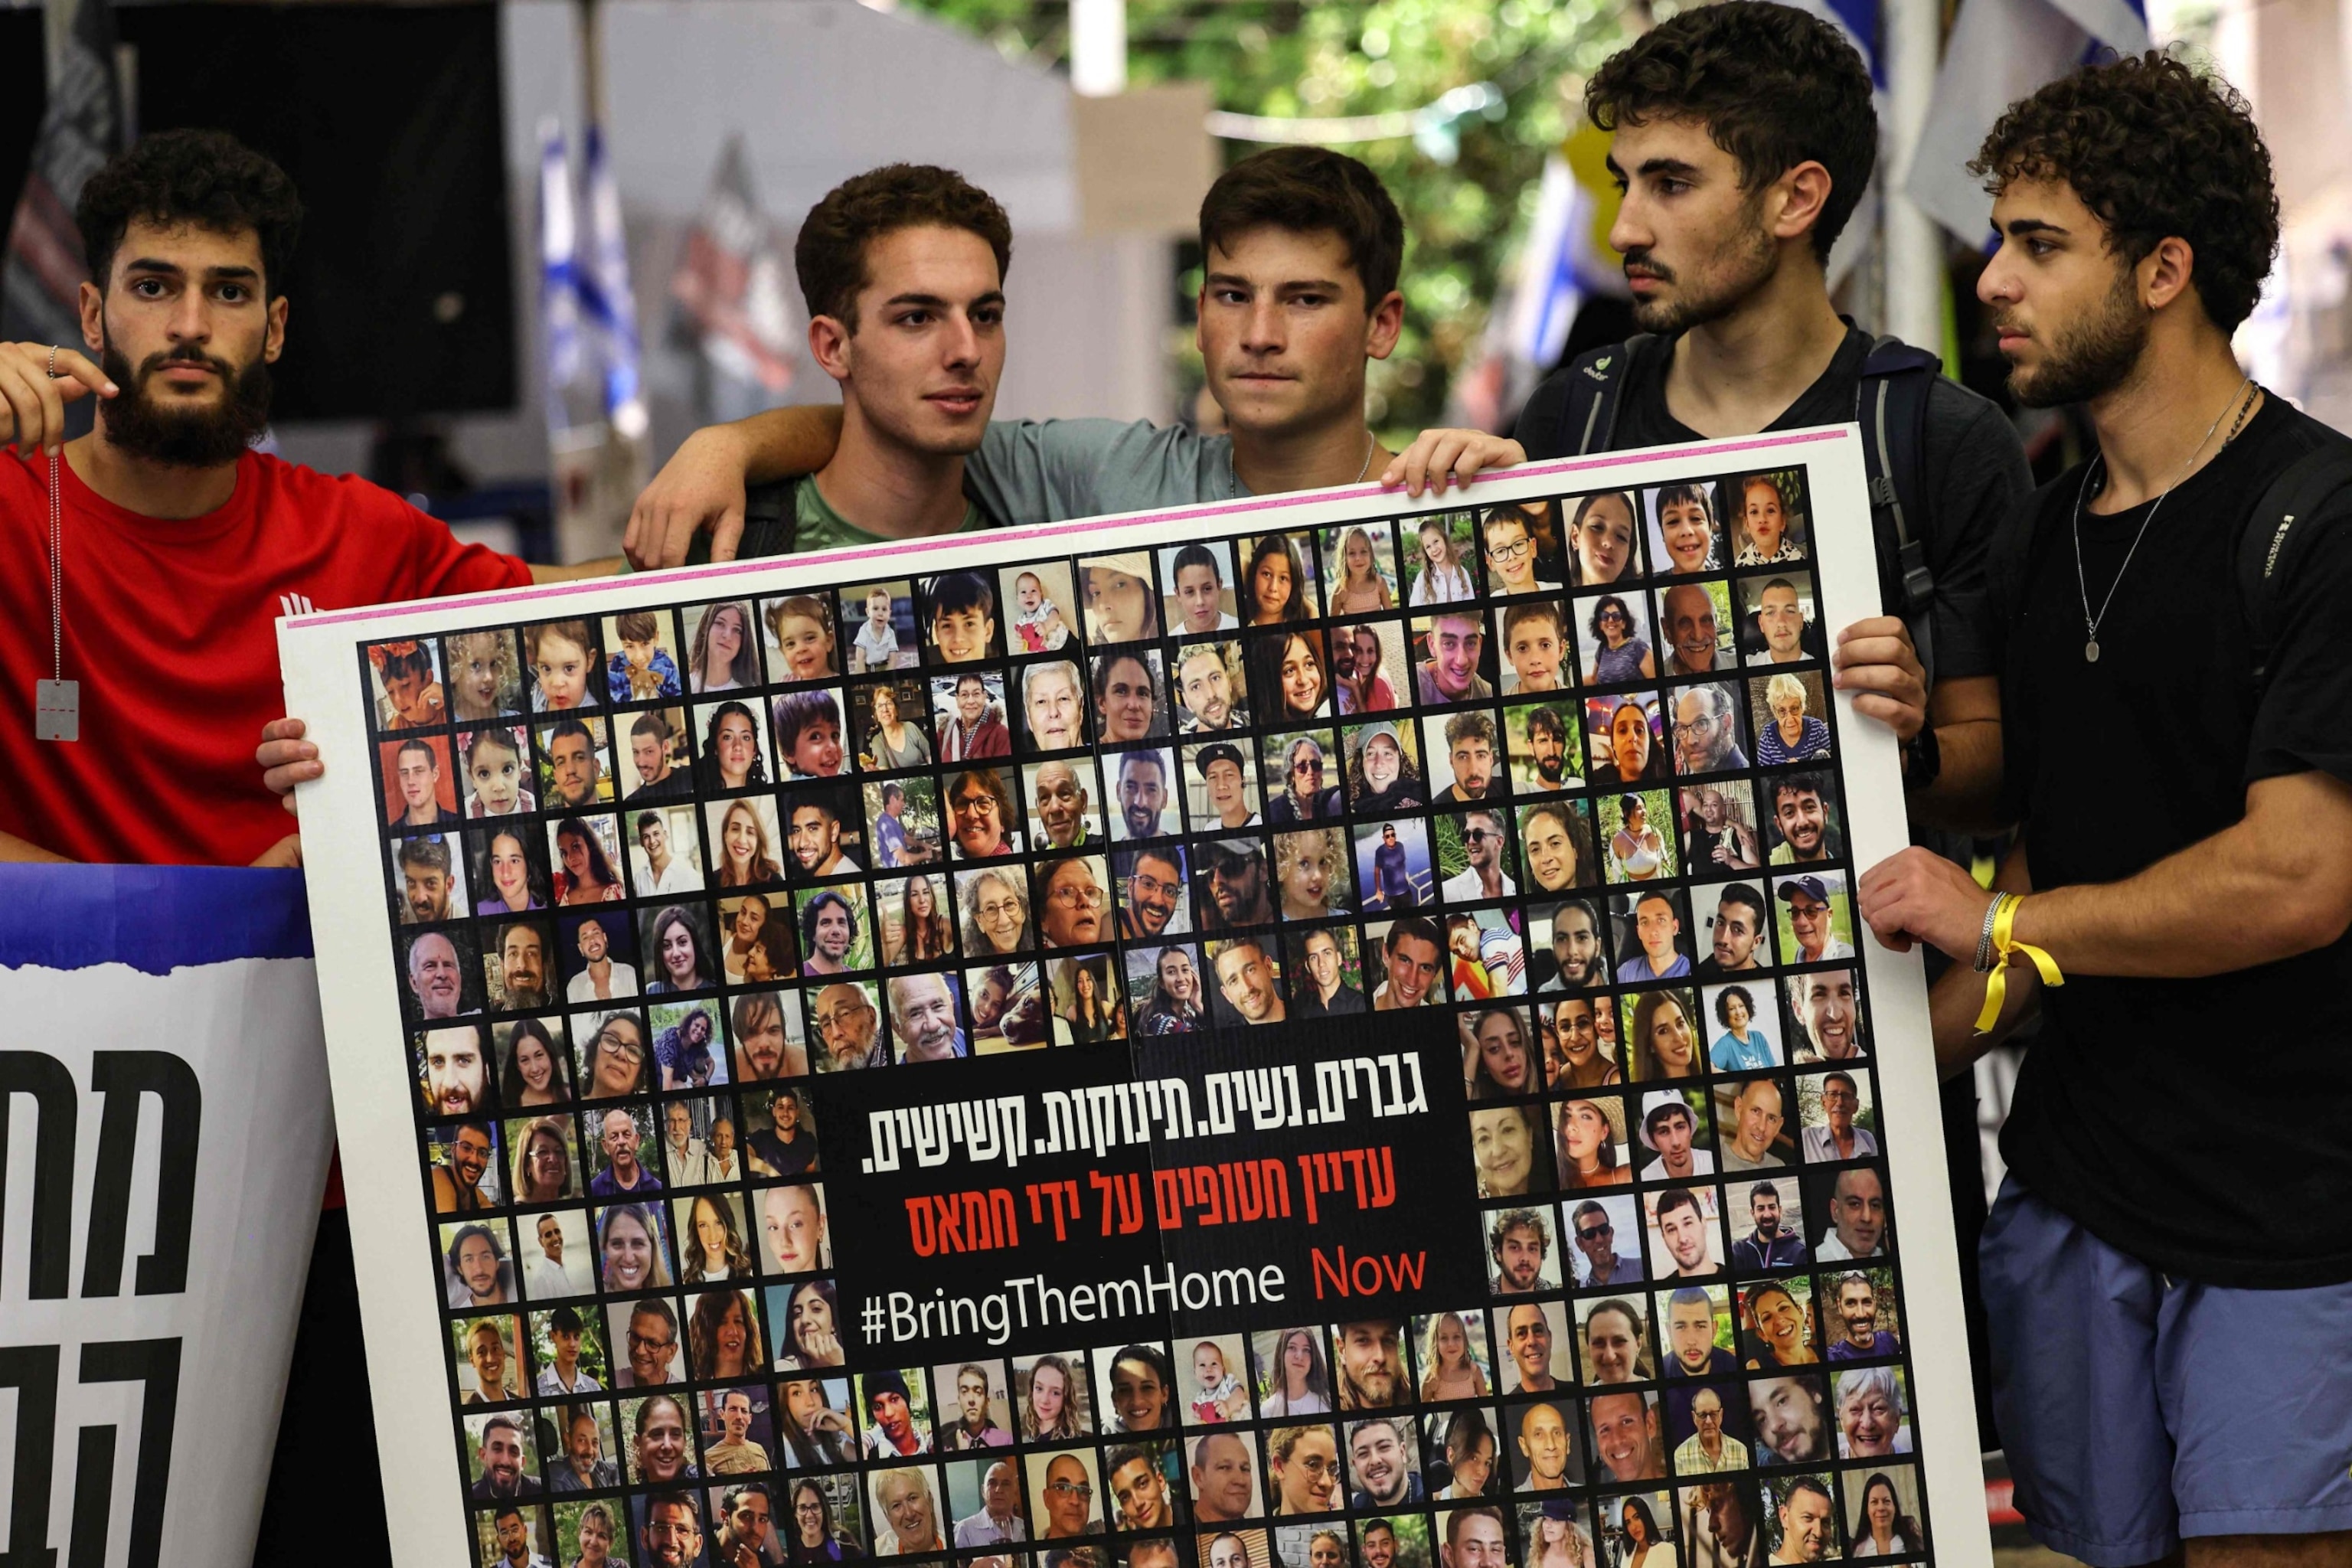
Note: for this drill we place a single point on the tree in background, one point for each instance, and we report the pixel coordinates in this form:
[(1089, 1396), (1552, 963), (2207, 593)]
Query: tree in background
[(1466, 187)]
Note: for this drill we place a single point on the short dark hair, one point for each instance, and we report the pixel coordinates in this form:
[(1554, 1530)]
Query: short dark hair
[(2120, 133), (1797, 784), (429, 853), (1675, 1198), (1806, 1484), (795, 711), (886, 1380), (1308, 190), (1774, 86), (1741, 893), (564, 1320), (1412, 927), (207, 178), (830, 254), (1194, 554), (951, 593)]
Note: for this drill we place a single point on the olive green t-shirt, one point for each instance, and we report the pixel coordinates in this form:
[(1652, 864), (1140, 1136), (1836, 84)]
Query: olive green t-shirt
[(822, 528)]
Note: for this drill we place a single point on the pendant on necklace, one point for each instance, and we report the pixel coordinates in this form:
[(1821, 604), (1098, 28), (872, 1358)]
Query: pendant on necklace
[(57, 711), (2091, 651)]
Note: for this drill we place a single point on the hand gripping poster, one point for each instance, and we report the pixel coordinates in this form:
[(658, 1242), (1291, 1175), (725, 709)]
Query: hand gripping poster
[(1325, 1032)]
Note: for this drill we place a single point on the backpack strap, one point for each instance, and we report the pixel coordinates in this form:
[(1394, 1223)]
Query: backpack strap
[(770, 524), (2300, 494), (1891, 406), (770, 520), (1596, 386)]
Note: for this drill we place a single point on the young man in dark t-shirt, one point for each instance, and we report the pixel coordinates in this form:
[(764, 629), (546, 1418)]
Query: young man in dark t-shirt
[(2169, 1263), (1743, 137)]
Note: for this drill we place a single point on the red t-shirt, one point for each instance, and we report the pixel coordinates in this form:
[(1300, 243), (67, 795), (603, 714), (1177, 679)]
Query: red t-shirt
[(170, 627)]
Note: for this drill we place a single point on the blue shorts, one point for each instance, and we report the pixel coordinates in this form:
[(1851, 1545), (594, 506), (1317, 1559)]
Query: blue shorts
[(2136, 1409)]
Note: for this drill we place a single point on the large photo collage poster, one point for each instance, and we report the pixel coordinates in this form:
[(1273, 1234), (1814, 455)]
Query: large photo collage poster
[(1318, 1034)]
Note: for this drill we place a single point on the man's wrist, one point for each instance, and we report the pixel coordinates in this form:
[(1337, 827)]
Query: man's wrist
[(1923, 758), (1985, 957)]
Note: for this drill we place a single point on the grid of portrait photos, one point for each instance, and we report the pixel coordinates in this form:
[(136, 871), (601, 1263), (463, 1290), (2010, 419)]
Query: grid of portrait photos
[(1564, 768)]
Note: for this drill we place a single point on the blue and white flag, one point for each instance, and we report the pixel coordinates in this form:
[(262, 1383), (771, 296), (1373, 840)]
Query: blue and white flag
[(606, 302), (559, 277), (2000, 51), (163, 1105), (40, 287)]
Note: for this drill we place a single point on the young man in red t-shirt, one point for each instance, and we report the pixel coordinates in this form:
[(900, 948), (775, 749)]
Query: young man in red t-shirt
[(182, 546)]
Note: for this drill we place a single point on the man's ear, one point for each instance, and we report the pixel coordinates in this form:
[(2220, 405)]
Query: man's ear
[(273, 343), (2167, 272), (92, 303), (1386, 322), (829, 345), (1802, 192)]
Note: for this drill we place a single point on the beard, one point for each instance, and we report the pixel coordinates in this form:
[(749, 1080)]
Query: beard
[(2090, 358), (1743, 263), (203, 437)]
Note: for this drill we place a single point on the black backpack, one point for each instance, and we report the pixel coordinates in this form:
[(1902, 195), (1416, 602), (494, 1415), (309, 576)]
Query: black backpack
[(1891, 406), (2265, 549)]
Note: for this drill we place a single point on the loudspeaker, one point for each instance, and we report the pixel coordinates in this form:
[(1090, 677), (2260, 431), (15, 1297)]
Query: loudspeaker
[(388, 118), (23, 91)]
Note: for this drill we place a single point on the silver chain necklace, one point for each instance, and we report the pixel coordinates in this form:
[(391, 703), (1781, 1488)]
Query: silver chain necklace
[(57, 703), (1372, 444), (2098, 465)]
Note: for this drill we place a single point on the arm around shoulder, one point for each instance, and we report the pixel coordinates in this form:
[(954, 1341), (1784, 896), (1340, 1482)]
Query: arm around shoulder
[(701, 488)]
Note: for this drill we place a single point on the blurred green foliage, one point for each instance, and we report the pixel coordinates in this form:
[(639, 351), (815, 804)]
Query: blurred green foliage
[(1467, 190)]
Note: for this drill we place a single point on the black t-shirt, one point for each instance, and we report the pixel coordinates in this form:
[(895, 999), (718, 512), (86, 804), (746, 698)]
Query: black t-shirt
[(1975, 472), (2202, 1125)]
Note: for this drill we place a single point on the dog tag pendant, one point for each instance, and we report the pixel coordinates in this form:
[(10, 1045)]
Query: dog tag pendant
[(2091, 651), (56, 709)]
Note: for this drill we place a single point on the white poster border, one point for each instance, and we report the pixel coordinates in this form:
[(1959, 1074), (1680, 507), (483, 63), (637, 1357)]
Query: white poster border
[(390, 1230)]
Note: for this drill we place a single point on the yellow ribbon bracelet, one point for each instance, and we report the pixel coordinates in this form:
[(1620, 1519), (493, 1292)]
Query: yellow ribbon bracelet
[(2004, 942)]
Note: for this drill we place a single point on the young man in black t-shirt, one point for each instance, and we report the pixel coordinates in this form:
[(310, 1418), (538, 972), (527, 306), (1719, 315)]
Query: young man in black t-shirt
[(2169, 1264), (1743, 136)]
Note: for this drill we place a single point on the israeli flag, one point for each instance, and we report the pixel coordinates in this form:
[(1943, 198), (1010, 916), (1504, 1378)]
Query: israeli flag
[(2000, 51), (605, 296)]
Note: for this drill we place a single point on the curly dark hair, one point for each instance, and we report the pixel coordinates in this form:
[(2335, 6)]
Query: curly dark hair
[(1311, 189), (207, 178), (830, 254), (1774, 86), (2156, 150)]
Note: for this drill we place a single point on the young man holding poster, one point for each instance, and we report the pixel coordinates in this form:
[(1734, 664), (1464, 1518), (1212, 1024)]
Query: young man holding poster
[(2134, 1256), (1303, 248), (182, 546), (1743, 137)]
